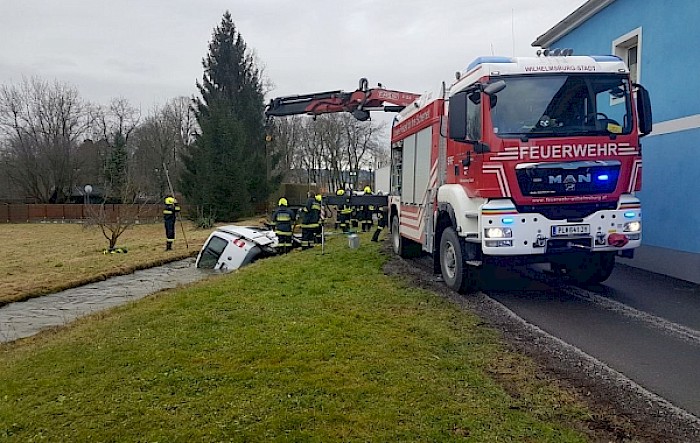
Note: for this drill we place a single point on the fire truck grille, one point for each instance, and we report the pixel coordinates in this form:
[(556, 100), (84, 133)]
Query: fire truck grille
[(567, 212), (571, 178)]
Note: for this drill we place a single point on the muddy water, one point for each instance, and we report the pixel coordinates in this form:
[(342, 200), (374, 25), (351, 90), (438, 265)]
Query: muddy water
[(23, 319)]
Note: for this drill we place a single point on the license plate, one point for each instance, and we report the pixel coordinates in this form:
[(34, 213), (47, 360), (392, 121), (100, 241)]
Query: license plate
[(570, 230)]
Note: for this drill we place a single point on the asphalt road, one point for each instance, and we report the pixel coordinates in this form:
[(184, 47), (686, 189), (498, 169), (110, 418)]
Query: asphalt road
[(642, 325)]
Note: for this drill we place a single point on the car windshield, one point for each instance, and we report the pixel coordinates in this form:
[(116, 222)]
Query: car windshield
[(212, 252), (562, 105)]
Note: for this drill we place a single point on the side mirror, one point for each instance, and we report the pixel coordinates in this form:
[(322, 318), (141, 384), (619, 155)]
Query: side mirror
[(458, 116), (643, 110), (495, 87)]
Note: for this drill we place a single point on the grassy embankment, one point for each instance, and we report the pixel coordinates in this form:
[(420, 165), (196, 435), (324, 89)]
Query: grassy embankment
[(302, 347)]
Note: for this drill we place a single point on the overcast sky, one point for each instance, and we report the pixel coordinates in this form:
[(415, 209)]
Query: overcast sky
[(149, 51)]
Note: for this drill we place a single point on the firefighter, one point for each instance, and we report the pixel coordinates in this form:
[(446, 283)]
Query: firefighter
[(283, 217), (318, 232), (354, 212), (344, 213), (169, 217), (366, 212), (381, 222), (310, 215)]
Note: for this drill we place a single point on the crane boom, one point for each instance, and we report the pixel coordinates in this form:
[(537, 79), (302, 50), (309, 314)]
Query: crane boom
[(359, 103)]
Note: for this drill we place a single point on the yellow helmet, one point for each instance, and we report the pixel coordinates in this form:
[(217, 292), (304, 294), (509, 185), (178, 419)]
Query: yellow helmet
[(318, 197), (282, 202), (339, 192), (169, 201), (368, 190)]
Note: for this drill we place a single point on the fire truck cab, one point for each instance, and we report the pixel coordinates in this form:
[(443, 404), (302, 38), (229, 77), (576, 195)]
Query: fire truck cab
[(522, 160)]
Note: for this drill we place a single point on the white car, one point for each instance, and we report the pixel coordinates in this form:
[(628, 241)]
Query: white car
[(230, 247)]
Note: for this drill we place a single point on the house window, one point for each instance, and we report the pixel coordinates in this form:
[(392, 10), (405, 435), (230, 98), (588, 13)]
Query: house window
[(632, 52), (629, 48)]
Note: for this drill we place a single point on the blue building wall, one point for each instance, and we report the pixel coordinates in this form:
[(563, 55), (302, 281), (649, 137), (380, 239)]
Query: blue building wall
[(671, 191), (670, 70), (670, 52)]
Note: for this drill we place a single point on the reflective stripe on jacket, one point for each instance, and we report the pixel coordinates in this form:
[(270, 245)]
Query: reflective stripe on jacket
[(283, 218)]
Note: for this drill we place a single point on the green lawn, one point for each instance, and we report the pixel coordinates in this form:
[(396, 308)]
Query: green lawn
[(302, 347)]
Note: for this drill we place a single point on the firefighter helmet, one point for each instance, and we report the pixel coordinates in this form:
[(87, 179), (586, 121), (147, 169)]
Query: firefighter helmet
[(339, 192), (368, 190), (318, 197), (282, 202), (169, 200)]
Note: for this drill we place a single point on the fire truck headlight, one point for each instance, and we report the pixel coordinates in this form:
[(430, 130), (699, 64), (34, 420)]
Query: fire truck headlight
[(498, 233), (633, 226)]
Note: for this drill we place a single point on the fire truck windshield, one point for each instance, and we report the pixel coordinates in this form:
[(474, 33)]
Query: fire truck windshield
[(562, 105)]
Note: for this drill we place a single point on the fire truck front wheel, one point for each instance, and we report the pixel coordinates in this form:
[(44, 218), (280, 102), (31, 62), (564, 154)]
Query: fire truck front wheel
[(455, 272), (586, 268)]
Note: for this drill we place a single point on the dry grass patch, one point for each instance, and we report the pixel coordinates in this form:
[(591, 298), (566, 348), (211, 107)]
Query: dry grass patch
[(44, 258)]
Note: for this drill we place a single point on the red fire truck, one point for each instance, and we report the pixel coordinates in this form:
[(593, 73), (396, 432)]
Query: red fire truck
[(521, 160)]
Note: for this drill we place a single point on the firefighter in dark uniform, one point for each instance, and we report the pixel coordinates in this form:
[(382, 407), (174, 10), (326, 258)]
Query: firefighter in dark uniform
[(344, 213), (169, 217), (310, 215), (366, 212), (283, 217), (381, 222), (318, 233), (354, 213)]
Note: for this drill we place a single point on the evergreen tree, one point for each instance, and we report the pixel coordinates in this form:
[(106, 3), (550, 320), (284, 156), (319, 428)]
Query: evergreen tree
[(115, 170), (225, 168)]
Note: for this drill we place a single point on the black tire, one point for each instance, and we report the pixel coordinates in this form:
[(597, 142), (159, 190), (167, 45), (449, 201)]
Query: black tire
[(591, 268), (402, 247), (457, 275)]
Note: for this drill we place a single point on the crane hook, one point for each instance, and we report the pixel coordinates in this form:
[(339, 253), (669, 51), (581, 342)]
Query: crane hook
[(364, 84)]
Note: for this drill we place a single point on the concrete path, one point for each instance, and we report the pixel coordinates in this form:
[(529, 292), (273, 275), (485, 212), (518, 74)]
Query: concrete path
[(23, 319)]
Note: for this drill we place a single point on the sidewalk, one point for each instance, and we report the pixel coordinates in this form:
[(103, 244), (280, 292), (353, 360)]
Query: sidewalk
[(676, 264)]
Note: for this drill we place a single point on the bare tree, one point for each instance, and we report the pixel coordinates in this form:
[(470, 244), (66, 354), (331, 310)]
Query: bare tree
[(154, 145), (180, 115), (331, 136), (331, 150), (114, 220), (363, 146), (115, 124), (117, 120), (42, 125), (159, 141)]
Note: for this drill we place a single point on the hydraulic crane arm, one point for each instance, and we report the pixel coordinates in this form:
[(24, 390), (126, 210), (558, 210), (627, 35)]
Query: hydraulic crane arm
[(359, 103)]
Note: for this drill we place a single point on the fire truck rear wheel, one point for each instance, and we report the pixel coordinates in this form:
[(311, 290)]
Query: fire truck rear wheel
[(455, 272), (402, 247)]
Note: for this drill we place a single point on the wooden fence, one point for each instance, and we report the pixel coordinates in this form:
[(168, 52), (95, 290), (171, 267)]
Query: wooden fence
[(75, 213)]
